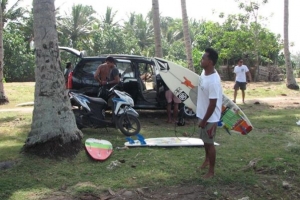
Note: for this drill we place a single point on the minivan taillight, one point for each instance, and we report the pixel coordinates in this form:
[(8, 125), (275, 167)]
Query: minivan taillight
[(69, 85)]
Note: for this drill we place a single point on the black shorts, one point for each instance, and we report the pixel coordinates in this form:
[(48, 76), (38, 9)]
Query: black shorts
[(240, 85)]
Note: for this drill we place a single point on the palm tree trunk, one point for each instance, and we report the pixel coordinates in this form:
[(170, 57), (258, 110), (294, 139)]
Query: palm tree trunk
[(156, 26), (290, 79), (187, 38), (53, 130), (3, 98)]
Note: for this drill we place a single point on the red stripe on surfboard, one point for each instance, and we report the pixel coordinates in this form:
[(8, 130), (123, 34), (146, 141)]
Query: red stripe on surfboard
[(99, 154)]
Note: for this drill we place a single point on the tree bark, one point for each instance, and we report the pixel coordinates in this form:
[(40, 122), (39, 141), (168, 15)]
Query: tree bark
[(3, 98), (53, 130), (156, 26), (187, 38), (290, 79)]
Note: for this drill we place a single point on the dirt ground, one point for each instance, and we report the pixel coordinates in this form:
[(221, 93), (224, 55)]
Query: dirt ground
[(163, 193)]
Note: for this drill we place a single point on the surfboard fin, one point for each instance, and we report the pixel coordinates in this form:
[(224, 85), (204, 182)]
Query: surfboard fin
[(227, 130), (141, 138), (131, 141), (220, 124)]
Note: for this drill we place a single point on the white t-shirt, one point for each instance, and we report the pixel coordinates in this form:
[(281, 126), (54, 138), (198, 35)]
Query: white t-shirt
[(240, 72), (209, 88)]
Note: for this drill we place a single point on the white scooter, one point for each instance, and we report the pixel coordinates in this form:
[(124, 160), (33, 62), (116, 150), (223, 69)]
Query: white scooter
[(91, 112)]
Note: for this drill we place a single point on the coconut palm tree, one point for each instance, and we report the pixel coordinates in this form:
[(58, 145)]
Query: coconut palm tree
[(13, 13), (3, 98), (108, 36), (139, 31), (186, 34), (109, 18), (77, 26), (156, 26), (129, 34), (290, 79), (53, 130), (6, 15)]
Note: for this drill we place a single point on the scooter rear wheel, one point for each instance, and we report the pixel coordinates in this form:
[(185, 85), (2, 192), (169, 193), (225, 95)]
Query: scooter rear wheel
[(129, 125)]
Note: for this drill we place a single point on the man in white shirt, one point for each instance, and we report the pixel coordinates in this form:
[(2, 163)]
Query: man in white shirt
[(209, 107), (240, 72)]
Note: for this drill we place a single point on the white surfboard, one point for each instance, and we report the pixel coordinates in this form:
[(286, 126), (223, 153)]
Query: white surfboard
[(184, 84), (167, 142)]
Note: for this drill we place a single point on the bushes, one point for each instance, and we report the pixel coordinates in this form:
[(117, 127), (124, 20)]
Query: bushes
[(19, 61)]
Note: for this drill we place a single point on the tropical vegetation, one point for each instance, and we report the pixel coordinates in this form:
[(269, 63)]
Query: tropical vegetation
[(84, 29)]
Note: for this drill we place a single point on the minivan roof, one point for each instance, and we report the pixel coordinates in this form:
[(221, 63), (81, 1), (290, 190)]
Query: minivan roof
[(126, 56), (82, 54)]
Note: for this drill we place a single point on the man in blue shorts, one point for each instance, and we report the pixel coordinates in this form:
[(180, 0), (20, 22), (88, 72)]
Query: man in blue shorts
[(209, 107)]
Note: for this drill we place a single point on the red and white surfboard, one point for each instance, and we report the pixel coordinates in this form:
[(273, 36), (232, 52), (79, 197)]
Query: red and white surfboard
[(98, 149)]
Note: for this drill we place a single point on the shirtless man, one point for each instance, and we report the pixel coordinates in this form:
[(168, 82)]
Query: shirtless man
[(102, 71)]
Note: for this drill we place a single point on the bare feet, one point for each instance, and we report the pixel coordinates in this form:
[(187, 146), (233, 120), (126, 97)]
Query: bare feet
[(204, 165), (171, 121), (185, 134), (208, 175)]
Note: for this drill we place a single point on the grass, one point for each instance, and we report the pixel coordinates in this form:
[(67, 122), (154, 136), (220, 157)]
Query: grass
[(275, 142), (261, 89), (24, 92), (18, 93)]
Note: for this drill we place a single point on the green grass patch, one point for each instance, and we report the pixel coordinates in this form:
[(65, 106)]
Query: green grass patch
[(274, 143), (18, 93), (33, 177)]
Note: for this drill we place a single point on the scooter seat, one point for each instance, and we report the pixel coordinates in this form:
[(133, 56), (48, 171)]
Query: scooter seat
[(96, 100)]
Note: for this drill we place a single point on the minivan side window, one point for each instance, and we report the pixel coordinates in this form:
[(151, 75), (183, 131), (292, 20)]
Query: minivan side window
[(125, 70)]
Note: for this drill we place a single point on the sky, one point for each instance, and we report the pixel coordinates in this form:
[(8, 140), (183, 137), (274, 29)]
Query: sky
[(198, 9)]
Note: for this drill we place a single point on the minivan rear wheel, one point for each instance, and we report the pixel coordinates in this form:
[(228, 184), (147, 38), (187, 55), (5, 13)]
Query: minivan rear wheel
[(187, 112)]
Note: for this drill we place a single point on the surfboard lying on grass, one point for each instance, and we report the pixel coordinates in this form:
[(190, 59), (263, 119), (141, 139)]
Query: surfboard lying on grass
[(184, 84), (167, 142), (98, 149)]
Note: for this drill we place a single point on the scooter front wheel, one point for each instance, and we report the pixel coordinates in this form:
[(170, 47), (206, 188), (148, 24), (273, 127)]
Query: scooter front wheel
[(129, 124)]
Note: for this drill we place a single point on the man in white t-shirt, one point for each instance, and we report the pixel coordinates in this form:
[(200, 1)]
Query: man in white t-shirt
[(209, 107), (240, 72)]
